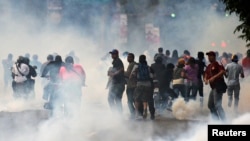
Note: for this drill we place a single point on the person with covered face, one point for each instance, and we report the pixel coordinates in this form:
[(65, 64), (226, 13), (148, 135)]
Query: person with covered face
[(20, 70), (117, 85), (72, 78), (214, 76)]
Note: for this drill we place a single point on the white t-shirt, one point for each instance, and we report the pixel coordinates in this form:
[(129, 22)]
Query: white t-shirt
[(24, 69), (233, 72)]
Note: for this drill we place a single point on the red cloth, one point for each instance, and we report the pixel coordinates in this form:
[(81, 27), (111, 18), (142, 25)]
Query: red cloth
[(76, 75), (212, 70)]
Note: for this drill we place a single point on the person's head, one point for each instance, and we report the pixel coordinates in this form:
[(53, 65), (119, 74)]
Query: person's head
[(27, 55), (175, 54), (235, 58), (200, 55), (158, 60), (248, 53), (10, 56), (35, 57), (191, 61), (225, 55), (160, 50), (142, 59), (181, 62), (20, 59), (167, 52), (50, 57), (58, 58), (211, 56), (130, 57), (114, 53), (170, 66), (68, 59), (186, 52)]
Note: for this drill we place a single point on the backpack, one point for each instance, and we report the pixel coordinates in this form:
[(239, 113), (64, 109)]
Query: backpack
[(143, 72)]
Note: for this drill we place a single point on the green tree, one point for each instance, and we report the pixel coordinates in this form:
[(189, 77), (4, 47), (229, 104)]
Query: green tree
[(242, 10)]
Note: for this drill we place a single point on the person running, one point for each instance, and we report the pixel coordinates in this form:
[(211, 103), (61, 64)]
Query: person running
[(131, 84), (178, 79), (117, 85), (233, 72), (20, 70), (214, 76), (73, 78), (51, 90), (191, 72), (202, 65), (7, 65), (160, 98), (246, 63), (143, 90)]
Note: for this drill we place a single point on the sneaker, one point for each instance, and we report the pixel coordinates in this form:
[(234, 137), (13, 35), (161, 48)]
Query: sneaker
[(152, 117)]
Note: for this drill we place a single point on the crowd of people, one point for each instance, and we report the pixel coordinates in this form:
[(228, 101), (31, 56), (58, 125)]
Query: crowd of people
[(155, 86), (149, 87), (63, 86)]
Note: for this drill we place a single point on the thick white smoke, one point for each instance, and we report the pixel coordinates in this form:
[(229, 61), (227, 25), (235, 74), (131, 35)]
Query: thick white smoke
[(27, 120)]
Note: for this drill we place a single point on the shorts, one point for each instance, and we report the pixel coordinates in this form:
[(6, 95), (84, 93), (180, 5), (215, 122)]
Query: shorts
[(143, 93)]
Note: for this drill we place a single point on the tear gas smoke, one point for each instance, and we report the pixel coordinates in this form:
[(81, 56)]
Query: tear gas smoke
[(21, 31)]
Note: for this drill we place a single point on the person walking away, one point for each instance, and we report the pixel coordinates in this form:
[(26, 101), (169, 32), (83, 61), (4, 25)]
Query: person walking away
[(178, 79), (73, 79), (202, 66), (246, 63), (30, 79), (214, 76), (233, 72), (191, 72), (20, 70), (143, 90), (7, 65), (131, 84), (160, 98), (51, 90), (117, 85)]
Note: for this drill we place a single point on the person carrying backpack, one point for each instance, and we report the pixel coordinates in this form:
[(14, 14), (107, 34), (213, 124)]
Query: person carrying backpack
[(143, 90)]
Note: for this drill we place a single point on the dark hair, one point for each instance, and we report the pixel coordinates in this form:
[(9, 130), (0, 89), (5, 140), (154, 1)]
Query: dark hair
[(160, 49), (191, 62), (132, 55), (186, 52), (200, 55), (69, 59), (142, 59), (167, 52), (170, 66), (50, 57), (158, 59), (58, 58), (175, 54)]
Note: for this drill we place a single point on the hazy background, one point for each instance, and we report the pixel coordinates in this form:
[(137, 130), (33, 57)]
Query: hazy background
[(196, 27)]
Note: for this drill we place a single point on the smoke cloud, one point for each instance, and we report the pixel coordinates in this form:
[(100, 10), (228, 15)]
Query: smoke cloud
[(194, 28)]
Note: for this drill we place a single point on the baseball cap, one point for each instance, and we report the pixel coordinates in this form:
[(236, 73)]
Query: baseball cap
[(114, 51), (211, 53)]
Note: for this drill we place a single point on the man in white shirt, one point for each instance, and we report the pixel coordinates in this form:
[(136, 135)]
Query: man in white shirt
[(233, 72)]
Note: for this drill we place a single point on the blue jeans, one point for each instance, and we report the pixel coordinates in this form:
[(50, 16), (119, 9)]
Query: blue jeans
[(130, 96), (233, 90), (180, 89), (192, 89), (215, 105), (115, 96)]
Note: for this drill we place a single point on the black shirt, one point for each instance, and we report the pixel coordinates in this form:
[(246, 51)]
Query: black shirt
[(119, 78)]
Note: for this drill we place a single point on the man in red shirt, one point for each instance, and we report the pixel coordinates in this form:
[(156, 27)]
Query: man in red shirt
[(214, 73), (246, 63)]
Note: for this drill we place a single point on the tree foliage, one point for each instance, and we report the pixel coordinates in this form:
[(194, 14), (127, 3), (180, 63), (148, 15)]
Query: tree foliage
[(242, 10)]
